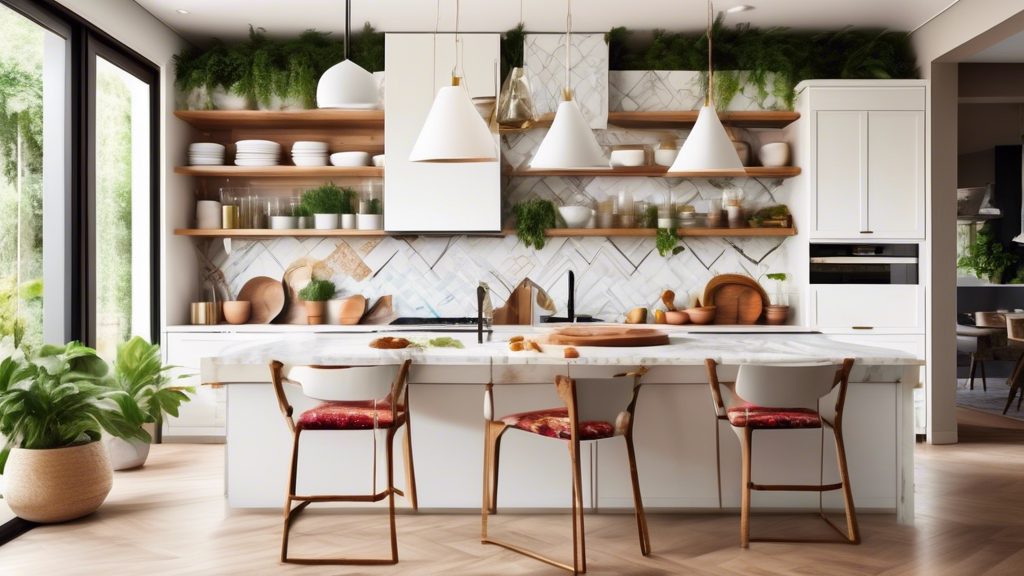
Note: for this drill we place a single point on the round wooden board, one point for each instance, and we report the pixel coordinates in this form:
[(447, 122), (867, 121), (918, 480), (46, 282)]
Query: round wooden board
[(718, 282), (608, 337), (737, 304), (266, 296)]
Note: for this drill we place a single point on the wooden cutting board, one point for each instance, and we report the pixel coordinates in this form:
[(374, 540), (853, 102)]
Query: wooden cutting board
[(608, 337), (266, 296), (737, 304)]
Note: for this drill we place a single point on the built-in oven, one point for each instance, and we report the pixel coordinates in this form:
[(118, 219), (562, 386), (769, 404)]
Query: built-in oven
[(864, 263)]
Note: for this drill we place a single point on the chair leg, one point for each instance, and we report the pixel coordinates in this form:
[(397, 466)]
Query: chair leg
[(1015, 381), (984, 384), (853, 530), (974, 366), (492, 452), (745, 510), (293, 469), (391, 493), (579, 539), (410, 468), (638, 503)]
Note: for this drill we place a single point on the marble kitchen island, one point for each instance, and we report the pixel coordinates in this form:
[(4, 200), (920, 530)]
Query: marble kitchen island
[(687, 459)]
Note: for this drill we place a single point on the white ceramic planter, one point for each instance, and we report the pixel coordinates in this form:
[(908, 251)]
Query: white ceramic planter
[(325, 221), (284, 222), (125, 454), (370, 222), (224, 100), (305, 222), (59, 484), (348, 221), (197, 99)]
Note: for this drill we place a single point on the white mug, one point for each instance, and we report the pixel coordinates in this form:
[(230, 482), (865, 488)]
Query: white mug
[(208, 215)]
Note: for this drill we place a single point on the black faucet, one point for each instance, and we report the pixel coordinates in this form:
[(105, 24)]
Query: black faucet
[(571, 308), (480, 295)]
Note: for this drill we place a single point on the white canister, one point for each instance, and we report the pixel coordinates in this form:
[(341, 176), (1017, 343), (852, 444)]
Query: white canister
[(325, 221), (348, 221), (734, 213), (284, 222), (208, 215), (370, 222)]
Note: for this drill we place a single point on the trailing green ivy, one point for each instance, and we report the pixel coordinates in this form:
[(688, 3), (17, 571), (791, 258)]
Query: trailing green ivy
[(533, 218), (666, 242)]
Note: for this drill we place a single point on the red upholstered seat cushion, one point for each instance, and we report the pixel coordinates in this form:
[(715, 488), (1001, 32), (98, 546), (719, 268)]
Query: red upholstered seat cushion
[(749, 415), (554, 423), (348, 415)]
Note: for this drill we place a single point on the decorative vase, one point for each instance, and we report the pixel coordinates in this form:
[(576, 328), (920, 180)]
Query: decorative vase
[(348, 221), (58, 484), (325, 221), (126, 454), (315, 312)]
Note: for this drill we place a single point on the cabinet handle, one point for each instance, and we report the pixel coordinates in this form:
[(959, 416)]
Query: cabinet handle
[(863, 327), (866, 232)]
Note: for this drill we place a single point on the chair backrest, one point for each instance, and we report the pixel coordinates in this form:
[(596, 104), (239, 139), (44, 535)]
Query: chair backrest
[(329, 383), (602, 400), (786, 386)]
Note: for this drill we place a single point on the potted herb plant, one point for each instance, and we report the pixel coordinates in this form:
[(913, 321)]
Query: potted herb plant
[(303, 216), (986, 257), (54, 407), (373, 218), (533, 219), (315, 295), (778, 312), (326, 203), (142, 387)]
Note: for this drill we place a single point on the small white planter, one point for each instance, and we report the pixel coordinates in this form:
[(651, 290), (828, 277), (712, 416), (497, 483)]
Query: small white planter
[(326, 221), (371, 222), (284, 222), (348, 221), (125, 454), (305, 222), (224, 100)]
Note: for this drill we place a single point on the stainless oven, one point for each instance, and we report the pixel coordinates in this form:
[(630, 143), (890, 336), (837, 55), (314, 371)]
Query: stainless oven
[(864, 263)]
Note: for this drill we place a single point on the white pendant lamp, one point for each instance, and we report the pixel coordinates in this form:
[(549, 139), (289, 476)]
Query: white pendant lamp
[(347, 85), (708, 148), (570, 143), (454, 131)]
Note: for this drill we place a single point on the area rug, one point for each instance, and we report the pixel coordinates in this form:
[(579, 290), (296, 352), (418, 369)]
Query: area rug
[(991, 402)]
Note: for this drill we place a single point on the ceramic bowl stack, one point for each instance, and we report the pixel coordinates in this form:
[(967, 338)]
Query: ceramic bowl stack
[(206, 154), (309, 153), (257, 153)]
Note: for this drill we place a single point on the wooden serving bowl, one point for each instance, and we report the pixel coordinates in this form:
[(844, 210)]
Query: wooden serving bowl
[(237, 311), (702, 315), (676, 317)]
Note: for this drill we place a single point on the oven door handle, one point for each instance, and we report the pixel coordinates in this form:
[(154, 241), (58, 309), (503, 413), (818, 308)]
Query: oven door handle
[(864, 260)]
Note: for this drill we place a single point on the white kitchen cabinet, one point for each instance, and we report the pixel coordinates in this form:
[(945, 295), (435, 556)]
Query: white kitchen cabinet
[(203, 416), (434, 197), (867, 160), (862, 307)]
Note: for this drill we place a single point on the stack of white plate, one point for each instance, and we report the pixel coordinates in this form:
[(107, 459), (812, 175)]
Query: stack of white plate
[(206, 154), (309, 153), (257, 153)]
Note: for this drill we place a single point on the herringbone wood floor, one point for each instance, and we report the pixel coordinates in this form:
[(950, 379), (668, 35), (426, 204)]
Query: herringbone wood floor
[(170, 518)]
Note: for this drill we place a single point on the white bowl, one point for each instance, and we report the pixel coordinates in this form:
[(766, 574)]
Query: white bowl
[(576, 216), (206, 147), (627, 158), (378, 160), (774, 154), (350, 159), (665, 157), (310, 161)]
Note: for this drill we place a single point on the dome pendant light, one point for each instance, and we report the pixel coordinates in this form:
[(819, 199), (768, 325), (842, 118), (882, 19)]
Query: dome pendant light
[(347, 85), (570, 143), (454, 131), (708, 148)]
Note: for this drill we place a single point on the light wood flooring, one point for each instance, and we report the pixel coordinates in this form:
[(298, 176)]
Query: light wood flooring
[(170, 518)]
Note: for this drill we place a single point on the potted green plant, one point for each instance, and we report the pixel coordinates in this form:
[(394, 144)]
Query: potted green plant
[(286, 220), (533, 218), (373, 218), (665, 242), (142, 387), (778, 312), (303, 216), (326, 203), (54, 407), (315, 295), (986, 257)]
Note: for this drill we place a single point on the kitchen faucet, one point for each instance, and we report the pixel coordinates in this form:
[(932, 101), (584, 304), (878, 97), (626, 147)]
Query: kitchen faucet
[(571, 307)]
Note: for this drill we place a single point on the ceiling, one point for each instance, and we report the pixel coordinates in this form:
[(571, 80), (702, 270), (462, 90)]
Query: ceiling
[(229, 19), (1009, 50)]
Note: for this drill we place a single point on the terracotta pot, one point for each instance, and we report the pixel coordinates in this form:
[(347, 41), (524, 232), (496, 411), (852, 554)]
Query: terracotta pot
[(776, 315), (702, 315), (315, 312), (126, 454), (59, 484), (676, 317), (347, 311), (237, 311)]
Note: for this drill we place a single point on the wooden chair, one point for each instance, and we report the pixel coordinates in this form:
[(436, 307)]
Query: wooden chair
[(593, 412), (344, 391), (785, 398)]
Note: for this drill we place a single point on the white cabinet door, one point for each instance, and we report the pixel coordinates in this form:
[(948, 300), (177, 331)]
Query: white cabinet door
[(204, 414), (675, 452), (838, 208), (896, 178), (436, 197), (894, 308)]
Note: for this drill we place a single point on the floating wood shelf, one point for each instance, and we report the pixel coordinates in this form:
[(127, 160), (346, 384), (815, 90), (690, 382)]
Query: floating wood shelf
[(554, 233), (685, 119), (658, 172), (281, 171), (213, 120)]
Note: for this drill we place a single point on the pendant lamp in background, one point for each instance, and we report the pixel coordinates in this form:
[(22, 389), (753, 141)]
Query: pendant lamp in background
[(347, 85), (708, 148), (454, 131), (570, 143)]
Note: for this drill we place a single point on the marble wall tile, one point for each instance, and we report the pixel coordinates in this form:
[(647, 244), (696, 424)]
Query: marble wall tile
[(657, 90), (544, 60)]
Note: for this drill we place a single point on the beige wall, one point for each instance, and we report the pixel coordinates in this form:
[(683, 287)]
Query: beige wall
[(966, 28), (136, 28)]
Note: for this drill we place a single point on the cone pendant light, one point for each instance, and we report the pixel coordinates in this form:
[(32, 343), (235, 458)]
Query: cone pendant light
[(347, 85), (454, 131), (570, 143), (708, 148)]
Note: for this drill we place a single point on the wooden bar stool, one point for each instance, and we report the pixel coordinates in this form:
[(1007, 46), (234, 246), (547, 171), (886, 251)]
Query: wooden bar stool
[(786, 398), (344, 391), (592, 412)]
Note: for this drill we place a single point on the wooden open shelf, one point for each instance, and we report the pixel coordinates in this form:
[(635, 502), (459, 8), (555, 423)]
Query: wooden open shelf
[(281, 171), (215, 120), (685, 119), (658, 172), (554, 233)]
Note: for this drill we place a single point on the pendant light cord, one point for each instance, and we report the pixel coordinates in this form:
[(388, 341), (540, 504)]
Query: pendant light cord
[(455, 66), (567, 91), (348, 29), (711, 76)]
